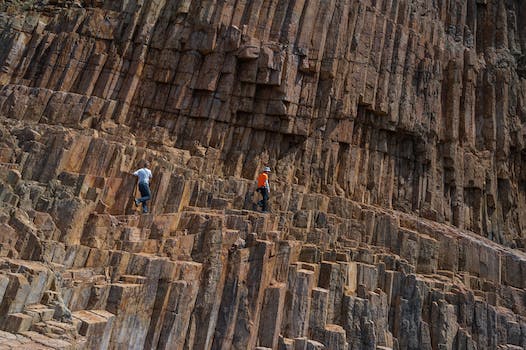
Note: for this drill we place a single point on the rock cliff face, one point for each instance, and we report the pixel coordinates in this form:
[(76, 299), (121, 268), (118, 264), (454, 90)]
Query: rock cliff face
[(396, 134)]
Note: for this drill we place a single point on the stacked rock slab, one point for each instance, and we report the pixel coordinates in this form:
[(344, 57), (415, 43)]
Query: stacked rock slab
[(394, 130)]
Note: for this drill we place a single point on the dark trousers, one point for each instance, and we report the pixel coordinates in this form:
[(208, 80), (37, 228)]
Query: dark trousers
[(145, 195), (263, 203)]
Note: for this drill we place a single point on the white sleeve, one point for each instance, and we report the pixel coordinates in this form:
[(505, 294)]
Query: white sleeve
[(136, 173)]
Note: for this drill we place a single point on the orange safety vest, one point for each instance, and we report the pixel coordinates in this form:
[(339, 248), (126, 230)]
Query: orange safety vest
[(262, 180)]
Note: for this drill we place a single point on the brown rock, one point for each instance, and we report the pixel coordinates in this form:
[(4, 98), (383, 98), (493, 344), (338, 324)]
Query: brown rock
[(395, 135)]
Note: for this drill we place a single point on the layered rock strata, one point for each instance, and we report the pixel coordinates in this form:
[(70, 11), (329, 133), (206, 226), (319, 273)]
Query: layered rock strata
[(394, 129)]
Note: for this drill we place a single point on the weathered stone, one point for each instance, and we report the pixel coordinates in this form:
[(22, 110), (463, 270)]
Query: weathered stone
[(271, 316), (96, 326), (297, 304), (395, 135), (318, 312), (17, 323)]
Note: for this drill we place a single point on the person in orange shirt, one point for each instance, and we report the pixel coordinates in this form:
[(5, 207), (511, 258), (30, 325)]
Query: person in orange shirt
[(264, 188)]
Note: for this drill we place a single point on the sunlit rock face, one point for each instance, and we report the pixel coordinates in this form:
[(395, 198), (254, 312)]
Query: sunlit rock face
[(395, 134)]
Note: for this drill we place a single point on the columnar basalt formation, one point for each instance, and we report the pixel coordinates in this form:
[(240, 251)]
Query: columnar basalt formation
[(394, 129)]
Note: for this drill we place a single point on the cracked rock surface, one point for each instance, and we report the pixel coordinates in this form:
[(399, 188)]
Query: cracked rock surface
[(395, 133)]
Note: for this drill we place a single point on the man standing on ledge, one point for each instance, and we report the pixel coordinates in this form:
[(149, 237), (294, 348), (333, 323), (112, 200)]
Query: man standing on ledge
[(144, 175), (264, 188)]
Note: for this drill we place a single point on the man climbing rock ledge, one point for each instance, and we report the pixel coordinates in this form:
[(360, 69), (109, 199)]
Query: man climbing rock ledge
[(264, 189), (144, 175)]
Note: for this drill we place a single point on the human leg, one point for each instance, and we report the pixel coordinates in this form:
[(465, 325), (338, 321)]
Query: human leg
[(264, 205), (260, 202), (145, 196)]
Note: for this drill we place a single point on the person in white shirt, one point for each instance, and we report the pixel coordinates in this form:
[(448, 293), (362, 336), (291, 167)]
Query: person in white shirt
[(144, 175)]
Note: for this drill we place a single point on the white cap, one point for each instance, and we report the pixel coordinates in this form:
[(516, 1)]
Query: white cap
[(266, 169)]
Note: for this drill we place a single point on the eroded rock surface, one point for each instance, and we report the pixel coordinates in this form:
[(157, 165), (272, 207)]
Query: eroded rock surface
[(394, 130)]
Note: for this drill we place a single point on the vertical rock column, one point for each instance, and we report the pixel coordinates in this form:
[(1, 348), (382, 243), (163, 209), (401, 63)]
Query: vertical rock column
[(258, 278), (123, 301), (234, 299), (179, 307), (132, 302), (208, 251), (297, 302), (318, 313), (96, 326), (271, 316)]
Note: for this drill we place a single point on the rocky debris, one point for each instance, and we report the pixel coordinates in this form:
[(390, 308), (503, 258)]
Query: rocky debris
[(394, 130), (329, 273), (422, 101)]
